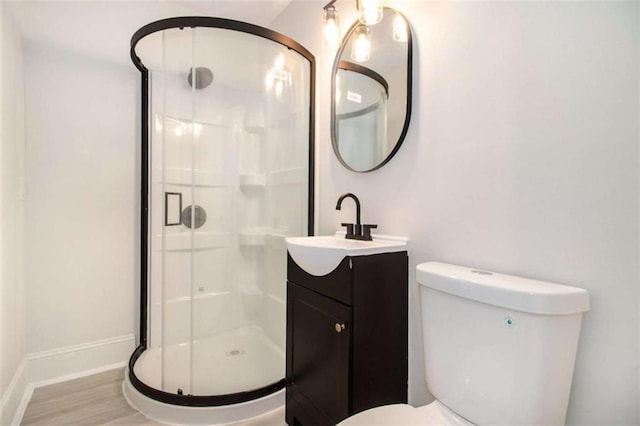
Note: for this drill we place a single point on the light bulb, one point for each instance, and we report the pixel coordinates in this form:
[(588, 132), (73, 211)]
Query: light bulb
[(331, 28), (400, 32), (361, 47), (370, 11)]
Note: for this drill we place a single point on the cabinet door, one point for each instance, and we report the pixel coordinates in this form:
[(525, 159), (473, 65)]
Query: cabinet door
[(318, 357)]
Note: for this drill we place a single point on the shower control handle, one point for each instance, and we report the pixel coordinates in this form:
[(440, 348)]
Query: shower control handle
[(339, 327)]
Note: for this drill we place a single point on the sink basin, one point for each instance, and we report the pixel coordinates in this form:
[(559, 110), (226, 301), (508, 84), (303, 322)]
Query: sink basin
[(320, 255)]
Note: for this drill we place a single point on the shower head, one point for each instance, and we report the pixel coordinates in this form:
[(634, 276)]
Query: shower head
[(204, 77)]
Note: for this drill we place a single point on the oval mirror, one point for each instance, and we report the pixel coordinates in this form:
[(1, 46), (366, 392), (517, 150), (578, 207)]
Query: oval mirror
[(371, 92)]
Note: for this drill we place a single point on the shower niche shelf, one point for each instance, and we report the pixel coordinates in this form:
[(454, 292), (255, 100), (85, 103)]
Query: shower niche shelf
[(257, 180), (178, 241), (285, 176), (254, 238), (254, 130), (272, 238), (276, 240), (185, 124), (185, 177), (202, 296), (248, 238)]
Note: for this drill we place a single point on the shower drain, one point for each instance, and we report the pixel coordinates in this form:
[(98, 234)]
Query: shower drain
[(235, 352)]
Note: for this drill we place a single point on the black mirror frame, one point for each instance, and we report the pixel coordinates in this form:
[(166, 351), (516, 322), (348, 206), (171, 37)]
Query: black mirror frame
[(407, 119)]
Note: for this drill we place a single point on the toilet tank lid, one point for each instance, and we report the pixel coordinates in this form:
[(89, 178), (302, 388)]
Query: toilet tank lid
[(520, 294)]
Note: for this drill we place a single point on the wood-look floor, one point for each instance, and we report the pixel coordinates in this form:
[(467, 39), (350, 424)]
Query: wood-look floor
[(92, 400), (98, 400)]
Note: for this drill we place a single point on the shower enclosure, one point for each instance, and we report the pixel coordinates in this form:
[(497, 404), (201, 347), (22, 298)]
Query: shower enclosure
[(227, 174)]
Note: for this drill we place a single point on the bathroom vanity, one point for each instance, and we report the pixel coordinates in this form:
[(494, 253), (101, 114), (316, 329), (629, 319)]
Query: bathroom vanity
[(346, 336)]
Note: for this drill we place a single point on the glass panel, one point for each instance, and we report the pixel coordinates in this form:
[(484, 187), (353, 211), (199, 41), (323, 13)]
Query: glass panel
[(253, 119), (215, 305), (177, 240)]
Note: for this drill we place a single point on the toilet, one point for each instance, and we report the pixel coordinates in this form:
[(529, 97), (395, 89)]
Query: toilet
[(498, 350)]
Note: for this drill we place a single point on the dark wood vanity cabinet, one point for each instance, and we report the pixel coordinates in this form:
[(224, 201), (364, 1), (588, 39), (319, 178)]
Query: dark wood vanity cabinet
[(346, 338)]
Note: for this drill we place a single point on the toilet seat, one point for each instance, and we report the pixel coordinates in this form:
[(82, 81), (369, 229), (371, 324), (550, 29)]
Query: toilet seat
[(403, 414)]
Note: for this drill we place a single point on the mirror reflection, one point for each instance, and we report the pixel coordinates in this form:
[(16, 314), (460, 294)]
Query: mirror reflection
[(371, 99)]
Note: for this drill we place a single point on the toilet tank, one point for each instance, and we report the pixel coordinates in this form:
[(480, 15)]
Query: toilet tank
[(499, 349)]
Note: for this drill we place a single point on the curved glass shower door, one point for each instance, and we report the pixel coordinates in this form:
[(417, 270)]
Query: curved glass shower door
[(228, 179)]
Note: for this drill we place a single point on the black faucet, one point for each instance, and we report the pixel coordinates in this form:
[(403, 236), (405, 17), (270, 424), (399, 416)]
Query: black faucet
[(355, 231)]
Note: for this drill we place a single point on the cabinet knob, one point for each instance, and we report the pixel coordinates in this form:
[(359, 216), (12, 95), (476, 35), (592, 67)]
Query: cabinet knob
[(339, 328)]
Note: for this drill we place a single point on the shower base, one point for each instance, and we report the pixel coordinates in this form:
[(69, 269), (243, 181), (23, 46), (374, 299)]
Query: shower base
[(235, 361)]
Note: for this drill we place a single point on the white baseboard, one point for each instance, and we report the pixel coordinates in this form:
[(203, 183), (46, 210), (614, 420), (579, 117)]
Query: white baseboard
[(59, 365), (80, 360), (12, 401)]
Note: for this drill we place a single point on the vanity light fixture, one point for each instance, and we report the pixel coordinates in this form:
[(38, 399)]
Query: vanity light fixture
[(361, 47), (369, 13), (331, 26)]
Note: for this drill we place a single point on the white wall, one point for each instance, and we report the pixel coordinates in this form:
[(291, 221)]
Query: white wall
[(12, 301), (82, 172), (522, 157), (82, 205)]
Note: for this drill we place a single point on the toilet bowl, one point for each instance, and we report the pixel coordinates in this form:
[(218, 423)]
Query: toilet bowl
[(498, 349)]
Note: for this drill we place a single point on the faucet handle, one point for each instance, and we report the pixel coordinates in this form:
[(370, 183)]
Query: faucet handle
[(349, 229), (366, 231)]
